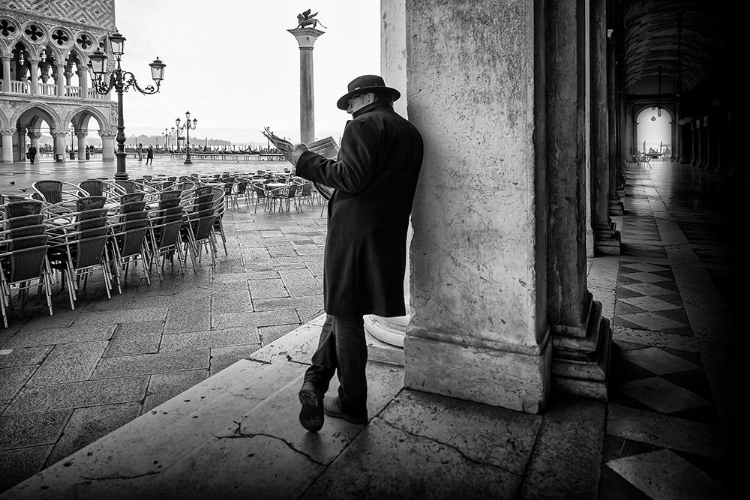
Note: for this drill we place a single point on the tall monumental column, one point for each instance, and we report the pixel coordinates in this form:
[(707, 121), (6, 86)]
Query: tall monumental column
[(306, 39)]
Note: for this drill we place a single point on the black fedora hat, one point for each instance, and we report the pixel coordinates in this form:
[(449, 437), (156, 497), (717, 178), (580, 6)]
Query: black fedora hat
[(365, 84)]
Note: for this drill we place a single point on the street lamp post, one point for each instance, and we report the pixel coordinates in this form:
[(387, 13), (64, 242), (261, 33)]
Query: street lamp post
[(121, 81), (188, 126)]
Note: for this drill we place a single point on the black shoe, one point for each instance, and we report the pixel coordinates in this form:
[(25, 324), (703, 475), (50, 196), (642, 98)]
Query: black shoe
[(311, 415), (332, 409)]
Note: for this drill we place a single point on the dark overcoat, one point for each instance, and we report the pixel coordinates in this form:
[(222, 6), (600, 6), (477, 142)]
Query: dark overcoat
[(374, 178)]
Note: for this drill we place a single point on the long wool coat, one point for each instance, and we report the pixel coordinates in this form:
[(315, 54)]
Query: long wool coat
[(374, 177)]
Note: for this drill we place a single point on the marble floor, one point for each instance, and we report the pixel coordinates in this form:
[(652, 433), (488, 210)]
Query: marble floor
[(672, 414)]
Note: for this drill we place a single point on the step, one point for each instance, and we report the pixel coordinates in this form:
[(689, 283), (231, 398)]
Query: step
[(169, 431)]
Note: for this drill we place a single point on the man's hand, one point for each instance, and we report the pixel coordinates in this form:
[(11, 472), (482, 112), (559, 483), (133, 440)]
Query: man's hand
[(297, 152)]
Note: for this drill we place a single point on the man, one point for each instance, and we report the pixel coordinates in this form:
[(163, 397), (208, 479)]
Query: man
[(374, 180), (32, 154)]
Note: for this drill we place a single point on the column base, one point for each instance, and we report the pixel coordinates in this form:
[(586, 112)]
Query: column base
[(515, 380), (616, 207), (581, 366), (607, 241)]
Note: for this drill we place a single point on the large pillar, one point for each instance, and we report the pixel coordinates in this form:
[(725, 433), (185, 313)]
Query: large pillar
[(606, 238), (82, 144), (60, 78), (306, 39), (581, 336), (59, 137), (108, 146), (478, 327), (7, 138)]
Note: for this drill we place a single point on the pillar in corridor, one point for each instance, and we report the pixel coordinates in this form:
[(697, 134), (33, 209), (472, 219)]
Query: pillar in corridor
[(606, 237), (478, 329), (108, 146), (34, 139), (306, 40), (7, 138), (82, 144)]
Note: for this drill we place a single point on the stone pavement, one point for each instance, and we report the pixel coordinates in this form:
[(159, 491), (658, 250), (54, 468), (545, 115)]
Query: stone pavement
[(70, 378), (668, 430)]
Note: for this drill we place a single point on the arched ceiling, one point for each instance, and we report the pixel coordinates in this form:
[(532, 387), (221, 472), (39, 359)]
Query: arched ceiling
[(668, 42)]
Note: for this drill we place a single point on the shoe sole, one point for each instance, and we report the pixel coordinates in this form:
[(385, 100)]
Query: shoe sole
[(311, 415)]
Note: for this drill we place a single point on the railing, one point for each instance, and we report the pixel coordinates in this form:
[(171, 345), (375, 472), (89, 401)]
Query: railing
[(50, 89), (19, 87), (47, 89)]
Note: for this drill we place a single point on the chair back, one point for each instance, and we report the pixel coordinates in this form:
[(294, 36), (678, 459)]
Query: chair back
[(130, 241), (27, 242), (21, 208), (94, 187), (25, 220), (131, 197), (89, 249), (169, 234), (133, 206), (128, 186), (50, 190), (33, 230), (90, 202), (25, 264)]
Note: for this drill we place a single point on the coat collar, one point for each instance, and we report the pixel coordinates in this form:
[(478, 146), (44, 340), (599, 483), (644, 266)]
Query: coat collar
[(370, 107)]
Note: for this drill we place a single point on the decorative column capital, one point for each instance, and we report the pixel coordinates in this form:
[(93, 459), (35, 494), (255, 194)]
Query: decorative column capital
[(58, 133), (7, 131), (34, 135), (105, 135), (306, 37), (82, 134)]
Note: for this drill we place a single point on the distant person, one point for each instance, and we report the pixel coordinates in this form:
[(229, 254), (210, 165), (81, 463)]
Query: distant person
[(139, 151), (374, 180), (150, 156), (32, 153)]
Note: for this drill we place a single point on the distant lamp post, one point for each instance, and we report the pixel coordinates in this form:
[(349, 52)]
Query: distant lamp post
[(121, 81), (187, 127), (166, 139)]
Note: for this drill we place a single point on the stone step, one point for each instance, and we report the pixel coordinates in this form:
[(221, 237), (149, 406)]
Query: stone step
[(162, 435)]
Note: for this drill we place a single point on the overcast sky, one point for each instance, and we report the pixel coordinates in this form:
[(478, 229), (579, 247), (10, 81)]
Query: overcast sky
[(234, 66)]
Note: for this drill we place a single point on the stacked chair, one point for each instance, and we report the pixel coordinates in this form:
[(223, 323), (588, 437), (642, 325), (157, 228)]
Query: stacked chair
[(197, 231), (164, 231), (23, 254), (129, 241), (78, 245)]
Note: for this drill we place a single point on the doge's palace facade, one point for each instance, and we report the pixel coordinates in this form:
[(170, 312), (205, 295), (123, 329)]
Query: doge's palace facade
[(45, 78)]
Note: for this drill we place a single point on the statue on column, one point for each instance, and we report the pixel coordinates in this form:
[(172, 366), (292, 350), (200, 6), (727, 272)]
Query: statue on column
[(306, 19)]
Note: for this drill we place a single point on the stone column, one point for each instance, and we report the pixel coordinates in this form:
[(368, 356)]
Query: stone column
[(478, 328), (581, 337), (306, 39), (7, 138), (59, 137), (60, 78), (616, 165), (34, 73), (82, 144), (606, 238), (83, 81), (108, 146), (34, 139), (6, 71)]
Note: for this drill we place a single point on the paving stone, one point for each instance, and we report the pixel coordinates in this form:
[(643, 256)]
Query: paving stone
[(51, 336), (17, 465), (214, 338), (270, 334), (265, 288), (21, 356), (13, 379), (69, 363), (78, 394), (106, 319), (136, 338), (20, 431), (146, 364), (231, 301), (254, 319)]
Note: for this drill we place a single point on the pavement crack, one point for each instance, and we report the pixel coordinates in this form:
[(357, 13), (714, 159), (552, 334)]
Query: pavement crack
[(442, 443), (120, 476), (239, 435)]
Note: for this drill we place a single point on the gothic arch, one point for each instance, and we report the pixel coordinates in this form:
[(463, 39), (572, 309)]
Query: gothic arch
[(50, 115), (83, 114)]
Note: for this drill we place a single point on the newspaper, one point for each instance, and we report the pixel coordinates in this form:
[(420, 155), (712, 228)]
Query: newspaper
[(324, 147)]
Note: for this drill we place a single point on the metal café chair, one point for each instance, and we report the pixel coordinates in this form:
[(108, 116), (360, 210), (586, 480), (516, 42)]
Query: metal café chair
[(22, 268)]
